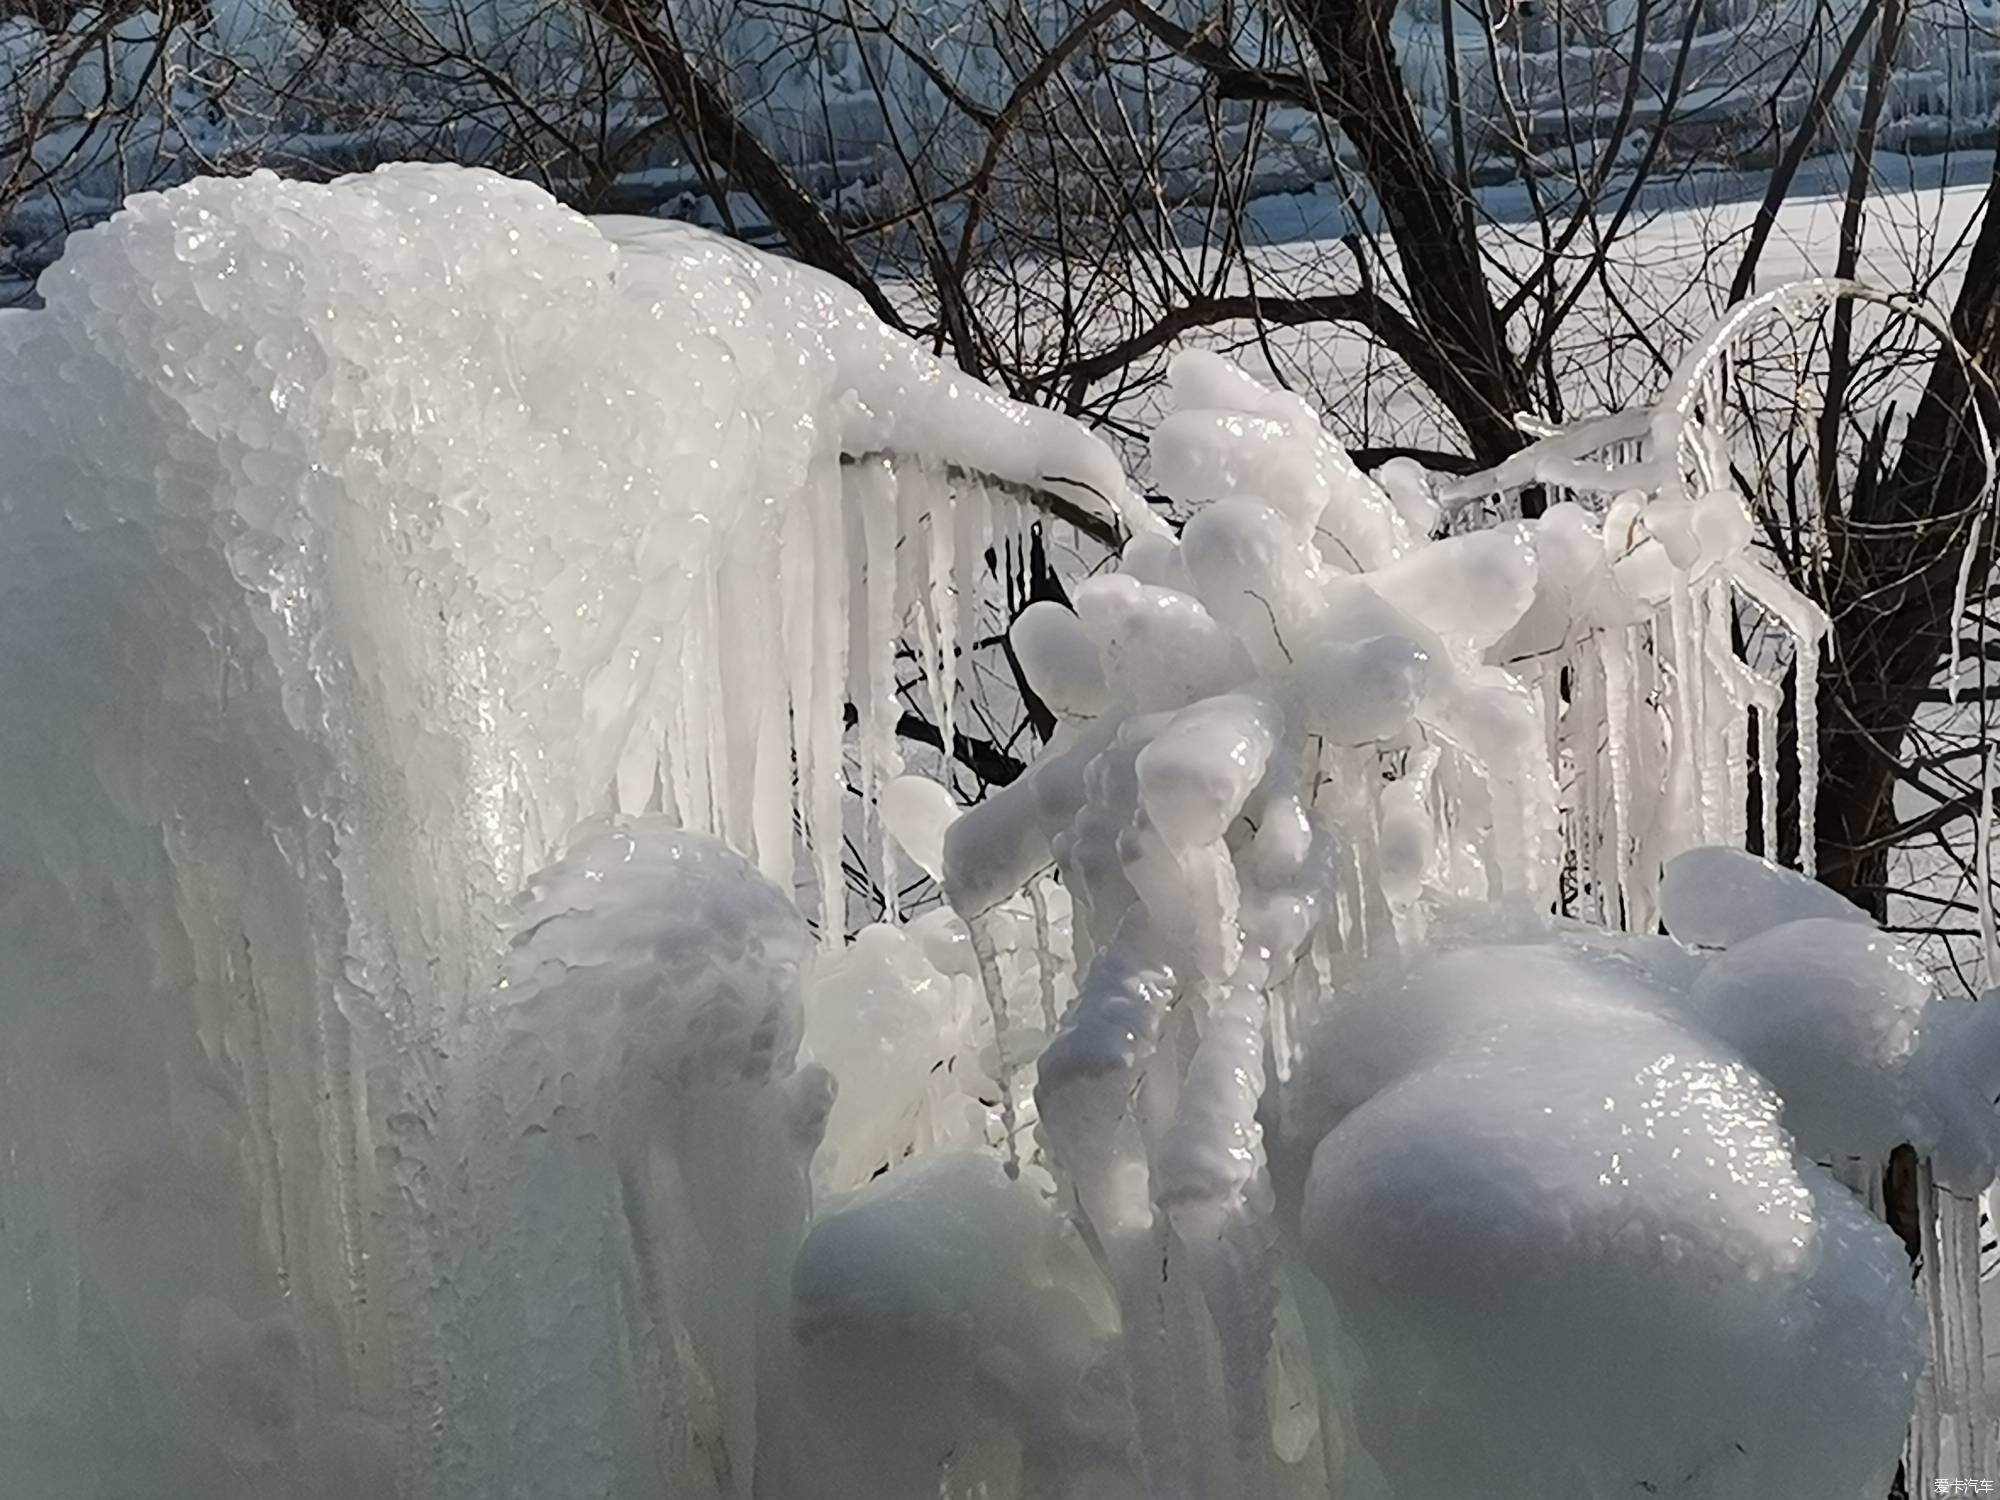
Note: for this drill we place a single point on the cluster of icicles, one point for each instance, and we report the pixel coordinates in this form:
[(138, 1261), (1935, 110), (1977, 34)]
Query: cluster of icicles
[(473, 613), (1301, 733)]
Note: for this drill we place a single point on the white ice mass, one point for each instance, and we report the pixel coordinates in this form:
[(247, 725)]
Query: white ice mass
[(432, 625)]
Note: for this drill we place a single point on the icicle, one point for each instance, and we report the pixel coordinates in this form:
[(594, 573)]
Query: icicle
[(1958, 596), (1767, 774), (996, 1002), (881, 757), (689, 746), (1281, 1001), (1806, 670), (1687, 729), (797, 571), (1735, 750), (972, 520), (771, 795), (1714, 713), (715, 716), (826, 705), (1591, 737), (857, 497), (1652, 788), (1549, 688), (942, 608), (1579, 744), (1989, 933), (913, 578), (737, 615), (1808, 625), (1045, 955), (1011, 516), (1614, 654), (1732, 689)]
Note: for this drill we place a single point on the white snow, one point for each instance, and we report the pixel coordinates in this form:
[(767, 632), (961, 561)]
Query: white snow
[(1832, 1013)]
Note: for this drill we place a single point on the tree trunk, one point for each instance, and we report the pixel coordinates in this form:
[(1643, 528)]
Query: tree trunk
[(1892, 571), (1450, 300)]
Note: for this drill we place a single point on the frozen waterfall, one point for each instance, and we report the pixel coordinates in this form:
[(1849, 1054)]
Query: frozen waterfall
[(451, 656)]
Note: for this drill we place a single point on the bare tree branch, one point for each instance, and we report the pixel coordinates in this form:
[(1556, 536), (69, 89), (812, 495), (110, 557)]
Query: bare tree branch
[(713, 128)]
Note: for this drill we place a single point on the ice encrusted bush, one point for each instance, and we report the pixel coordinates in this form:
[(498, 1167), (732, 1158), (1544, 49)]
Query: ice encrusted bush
[(432, 620)]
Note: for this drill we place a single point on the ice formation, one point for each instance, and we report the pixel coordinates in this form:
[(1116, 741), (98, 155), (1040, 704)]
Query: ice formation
[(434, 622), (362, 540), (1318, 740)]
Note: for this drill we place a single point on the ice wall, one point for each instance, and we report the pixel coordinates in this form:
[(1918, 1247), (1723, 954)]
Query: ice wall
[(360, 540)]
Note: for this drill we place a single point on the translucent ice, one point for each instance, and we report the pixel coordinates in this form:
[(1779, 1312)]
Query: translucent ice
[(1832, 1012), (1629, 1187), (1717, 897), (1314, 742), (433, 626), (358, 542)]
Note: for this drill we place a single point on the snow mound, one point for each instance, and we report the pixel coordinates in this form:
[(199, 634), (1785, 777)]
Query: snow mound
[(1833, 1013)]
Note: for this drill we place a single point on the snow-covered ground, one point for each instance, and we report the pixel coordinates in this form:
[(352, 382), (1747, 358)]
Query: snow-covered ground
[(113, 101), (1671, 265)]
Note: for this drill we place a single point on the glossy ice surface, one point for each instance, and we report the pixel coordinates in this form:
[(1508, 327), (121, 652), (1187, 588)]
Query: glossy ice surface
[(431, 622)]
